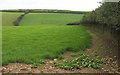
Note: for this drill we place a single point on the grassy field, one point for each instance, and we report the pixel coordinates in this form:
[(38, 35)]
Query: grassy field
[(42, 36), (8, 18), (49, 19)]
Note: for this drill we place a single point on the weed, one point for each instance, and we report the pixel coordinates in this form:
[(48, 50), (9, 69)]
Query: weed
[(35, 65), (60, 57), (82, 62), (73, 55), (29, 72), (41, 71), (24, 68)]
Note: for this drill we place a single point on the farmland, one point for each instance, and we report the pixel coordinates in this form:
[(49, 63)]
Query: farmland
[(8, 18), (49, 19), (61, 41), (43, 36)]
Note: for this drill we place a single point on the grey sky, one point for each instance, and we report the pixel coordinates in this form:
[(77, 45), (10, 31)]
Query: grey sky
[(78, 5)]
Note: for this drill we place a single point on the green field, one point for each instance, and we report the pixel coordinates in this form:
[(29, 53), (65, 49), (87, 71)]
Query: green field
[(8, 18), (42, 36), (49, 19)]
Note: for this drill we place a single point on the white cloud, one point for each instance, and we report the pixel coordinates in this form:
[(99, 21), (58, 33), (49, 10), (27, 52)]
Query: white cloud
[(80, 5)]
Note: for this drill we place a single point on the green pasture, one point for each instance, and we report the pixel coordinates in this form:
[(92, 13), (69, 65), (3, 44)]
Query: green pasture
[(33, 19), (43, 36)]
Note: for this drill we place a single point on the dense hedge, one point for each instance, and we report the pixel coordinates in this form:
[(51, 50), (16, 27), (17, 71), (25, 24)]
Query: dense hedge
[(107, 14), (105, 19), (16, 22)]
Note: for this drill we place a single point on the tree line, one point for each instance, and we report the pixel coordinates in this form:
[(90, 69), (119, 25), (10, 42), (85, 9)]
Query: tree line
[(105, 19), (46, 11), (108, 14)]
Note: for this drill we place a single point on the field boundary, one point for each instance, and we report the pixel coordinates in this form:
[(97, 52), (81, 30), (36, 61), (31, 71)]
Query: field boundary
[(46, 11), (60, 12), (16, 22)]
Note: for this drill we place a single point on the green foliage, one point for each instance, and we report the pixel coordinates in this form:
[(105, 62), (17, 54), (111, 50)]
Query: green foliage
[(75, 54), (42, 62), (29, 72), (119, 69), (107, 14), (24, 68), (35, 65), (82, 62), (60, 57), (38, 63), (46, 11), (41, 71)]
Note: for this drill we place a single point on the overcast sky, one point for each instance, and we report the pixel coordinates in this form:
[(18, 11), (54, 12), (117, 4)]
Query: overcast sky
[(77, 5)]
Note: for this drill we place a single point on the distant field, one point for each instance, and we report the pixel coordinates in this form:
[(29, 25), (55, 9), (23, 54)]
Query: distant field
[(49, 19), (9, 17), (42, 36)]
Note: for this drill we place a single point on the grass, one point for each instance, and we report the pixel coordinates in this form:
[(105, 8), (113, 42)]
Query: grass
[(8, 18), (49, 19), (29, 44), (43, 36)]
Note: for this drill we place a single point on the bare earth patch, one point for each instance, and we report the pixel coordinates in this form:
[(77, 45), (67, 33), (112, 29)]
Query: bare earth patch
[(97, 50)]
